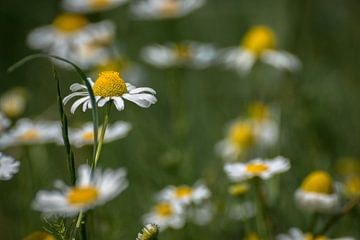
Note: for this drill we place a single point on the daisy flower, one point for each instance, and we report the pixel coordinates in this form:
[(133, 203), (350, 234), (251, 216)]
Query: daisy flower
[(316, 193), (39, 235), (88, 192), (85, 6), (149, 232), (160, 9), (185, 194), (27, 132), (85, 134), (13, 102), (192, 54), (4, 122), (73, 37), (263, 169), (297, 234), (8, 167), (351, 186), (110, 87), (166, 214), (259, 43)]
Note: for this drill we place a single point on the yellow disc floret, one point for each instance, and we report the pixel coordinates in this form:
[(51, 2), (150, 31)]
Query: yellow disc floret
[(164, 209), (169, 7), (182, 51), (183, 191), (242, 135), (70, 22), (238, 189), (256, 168), (40, 236), (258, 39), (309, 236), (31, 134), (318, 182), (82, 195), (352, 186), (258, 111), (109, 84)]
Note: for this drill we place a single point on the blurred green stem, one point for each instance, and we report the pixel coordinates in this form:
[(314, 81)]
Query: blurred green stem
[(260, 219), (102, 135), (81, 224)]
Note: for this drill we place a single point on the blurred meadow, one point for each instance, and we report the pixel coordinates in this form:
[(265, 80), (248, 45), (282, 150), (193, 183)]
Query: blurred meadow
[(176, 140)]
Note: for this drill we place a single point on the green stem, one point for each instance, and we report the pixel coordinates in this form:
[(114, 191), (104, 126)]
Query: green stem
[(260, 219), (102, 135), (81, 224)]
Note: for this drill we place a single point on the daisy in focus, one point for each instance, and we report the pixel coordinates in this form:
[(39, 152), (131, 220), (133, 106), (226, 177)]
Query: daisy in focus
[(40, 235), (8, 167), (85, 134), (160, 9), (110, 87), (4, 122), (13, 102), (85, 6), (263, 169), (88, 192), (191, 54), (317, 193), (297, 234), (28, 132), (165, 215), (73, 37), (259, 43)]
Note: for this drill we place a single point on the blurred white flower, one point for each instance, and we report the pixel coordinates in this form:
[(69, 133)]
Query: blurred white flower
[(201, 214), (259, 43), (191, 54), (74, 38), (297, 234), (263, 169), (110, 87), (89, 192), (166, 214), (85, 134), (242, 211), (184, 194), (4, 122), (316, 193), (27, 132), (13, 102), (8, 167), (159, 9), (85, 6)]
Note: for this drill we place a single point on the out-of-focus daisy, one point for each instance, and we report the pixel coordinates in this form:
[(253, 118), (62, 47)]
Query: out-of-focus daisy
[(297, 234), (40, 235), (259, 43), (13, 102), (149, 232), (348, 167), (185, 194), (242, 211), (110, 87), (27, 132), (4, 122), (8, 167), (263, 169), (85, 134), (238, 189), (89, 191), (351, 186), (73, 37), (252, 236), (166, 214), (159, 9), (85, 6), (192, 54), (316, 193)]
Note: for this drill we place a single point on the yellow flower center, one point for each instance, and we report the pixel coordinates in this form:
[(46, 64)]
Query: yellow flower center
[(169, 7), (31, 134), (318, 182), (238, 189), (182, 192), (348, 166), (352, 186), (258, 111), (164, 209), (258, 39), (252, 236), (309, 236), (13, 102), (242, 135), (96, 4), (256, 168), (39, 236), (69, 22), (182, 52), (82, 195), (109, 84)]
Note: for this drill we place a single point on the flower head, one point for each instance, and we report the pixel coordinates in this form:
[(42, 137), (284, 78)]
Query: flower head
[(85, 6), (39, 235), (89, 191), (110, 87), (263, 169), (159, 9), (13, 102), (149, 232), (8, 167), (316, 193), (185, 194)]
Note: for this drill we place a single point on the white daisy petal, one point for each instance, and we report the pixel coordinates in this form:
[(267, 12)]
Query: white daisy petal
[(77, 103)]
